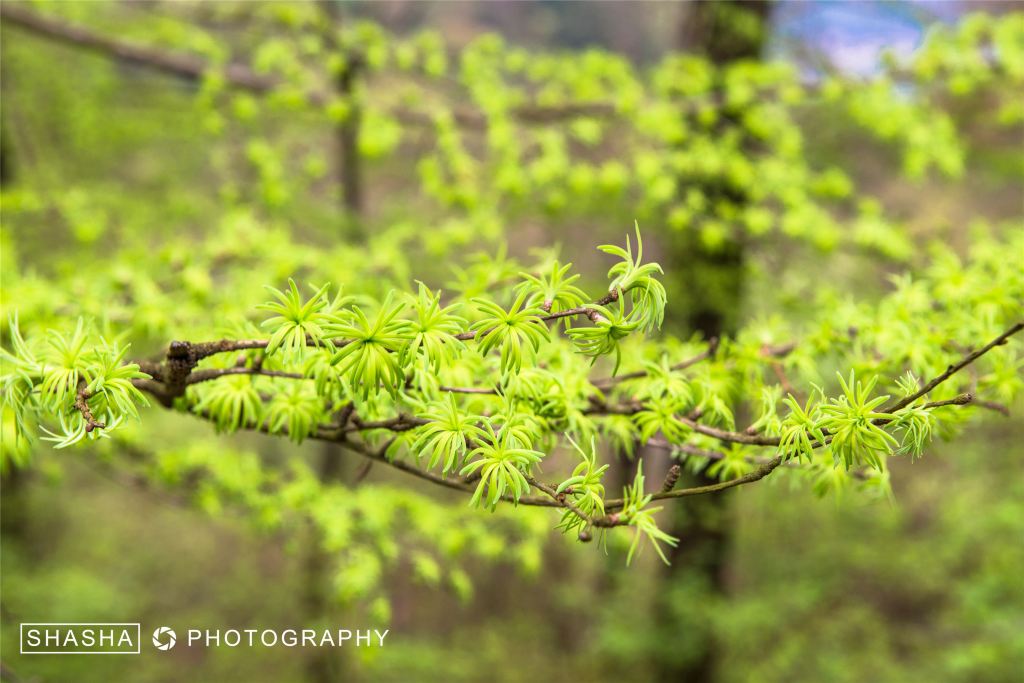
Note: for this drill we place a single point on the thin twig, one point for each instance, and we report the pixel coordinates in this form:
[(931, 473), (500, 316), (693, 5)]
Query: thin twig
[(780, 373), (952, 369), (468, 390), (992, 405), (241, 76), (400, 423), (561, 498), (709, 352), (206, 375), (961, 400), (82, 397), (727, 436)]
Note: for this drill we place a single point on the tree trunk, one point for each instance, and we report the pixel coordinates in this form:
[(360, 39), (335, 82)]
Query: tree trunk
[(332, 665), (323, 665), (348, 148), (347, 134), (6, 160), (712, 286)]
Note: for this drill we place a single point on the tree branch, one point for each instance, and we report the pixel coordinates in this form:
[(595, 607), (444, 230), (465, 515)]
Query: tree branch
[(467, 390), (198, 376), (562, 499), (241, 76), (727, 436), (174, 63), (709, 352), (956, 367), (178, 369), (338, 434), (455, 484), (761, 472), (82, 405)]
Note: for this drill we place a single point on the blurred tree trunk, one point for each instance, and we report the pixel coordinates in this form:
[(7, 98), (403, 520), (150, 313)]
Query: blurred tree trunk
[(332, 665), (324, 665), (348, 147), (347, 134), (6, 162), (711, 285)]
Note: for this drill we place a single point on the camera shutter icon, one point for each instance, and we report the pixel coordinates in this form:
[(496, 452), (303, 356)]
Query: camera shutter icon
[(164, 638)]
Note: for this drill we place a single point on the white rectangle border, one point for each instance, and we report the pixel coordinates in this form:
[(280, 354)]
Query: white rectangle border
[(21, 636)]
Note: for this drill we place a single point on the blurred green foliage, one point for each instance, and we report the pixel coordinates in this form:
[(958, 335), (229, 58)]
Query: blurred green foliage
[(157, 207)]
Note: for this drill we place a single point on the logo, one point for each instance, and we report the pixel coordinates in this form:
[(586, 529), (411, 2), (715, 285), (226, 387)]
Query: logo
[(79, 639), (96, 638), (164, 638)]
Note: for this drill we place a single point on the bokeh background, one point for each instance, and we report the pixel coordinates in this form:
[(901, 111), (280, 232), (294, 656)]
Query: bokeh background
[(99, 153)]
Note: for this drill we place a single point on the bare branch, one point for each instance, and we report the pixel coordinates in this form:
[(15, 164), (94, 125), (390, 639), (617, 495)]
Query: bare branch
[(82, 405), (467, 390), (727, 436), (401, 423), (709, 352), (241, 76), (956, 367), (561, 498), (174, 63), (761, 472), (215, 373)]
